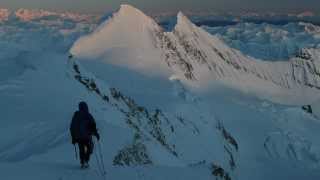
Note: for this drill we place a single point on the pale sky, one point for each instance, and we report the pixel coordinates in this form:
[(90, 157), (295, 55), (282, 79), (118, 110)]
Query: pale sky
[(100, 6)]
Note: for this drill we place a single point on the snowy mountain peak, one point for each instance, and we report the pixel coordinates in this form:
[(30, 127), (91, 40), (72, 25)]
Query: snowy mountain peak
[(130, 10), (4, 14), (183, 21), (133, 16), (181, 18), (130, 37), (134, 40)]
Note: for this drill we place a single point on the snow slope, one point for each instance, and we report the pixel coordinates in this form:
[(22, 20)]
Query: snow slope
[(152, 123), (167, 138), (195, 58)]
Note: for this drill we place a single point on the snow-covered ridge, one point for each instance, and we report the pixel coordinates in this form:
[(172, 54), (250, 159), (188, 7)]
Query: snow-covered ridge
[(134, 40), (222, 61)]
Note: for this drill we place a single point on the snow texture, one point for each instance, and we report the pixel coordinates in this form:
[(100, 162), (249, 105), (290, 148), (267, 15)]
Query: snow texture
[(168, 105), (269, 42)]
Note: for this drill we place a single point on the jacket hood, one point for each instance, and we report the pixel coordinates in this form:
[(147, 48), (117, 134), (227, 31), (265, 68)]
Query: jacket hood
[(83, 107)]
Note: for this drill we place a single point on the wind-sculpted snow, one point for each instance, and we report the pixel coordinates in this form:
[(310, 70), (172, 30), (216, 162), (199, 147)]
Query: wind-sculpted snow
[(269, 42)]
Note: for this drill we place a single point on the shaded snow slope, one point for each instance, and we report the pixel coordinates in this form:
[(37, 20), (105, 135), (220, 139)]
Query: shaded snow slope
[(182, 134), (39, 103)]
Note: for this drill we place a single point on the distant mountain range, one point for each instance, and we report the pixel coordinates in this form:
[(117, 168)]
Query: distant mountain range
[(30, 14), (199, 18)]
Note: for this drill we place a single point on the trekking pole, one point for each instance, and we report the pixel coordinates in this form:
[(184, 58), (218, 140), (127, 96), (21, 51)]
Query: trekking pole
[(100, 163), (75, 150), (101, 157), (97, 158)]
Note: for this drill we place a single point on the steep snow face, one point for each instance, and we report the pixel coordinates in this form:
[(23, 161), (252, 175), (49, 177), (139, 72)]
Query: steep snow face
[(127, 39), (4, 14), (203, 57)]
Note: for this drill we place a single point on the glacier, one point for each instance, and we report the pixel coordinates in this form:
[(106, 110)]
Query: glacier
[(269, 42), (169, 105)]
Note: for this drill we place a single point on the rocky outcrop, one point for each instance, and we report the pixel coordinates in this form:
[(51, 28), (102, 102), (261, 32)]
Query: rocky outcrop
[(230, 145), (219, 173), (307, 108), (133, 155)]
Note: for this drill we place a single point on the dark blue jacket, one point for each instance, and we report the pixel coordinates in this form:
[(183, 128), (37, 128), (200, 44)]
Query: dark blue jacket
[(83, 125)]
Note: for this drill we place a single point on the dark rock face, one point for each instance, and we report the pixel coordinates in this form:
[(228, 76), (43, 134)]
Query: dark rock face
[(133, 155), (304, 54), (219, 173), (231, 145)]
